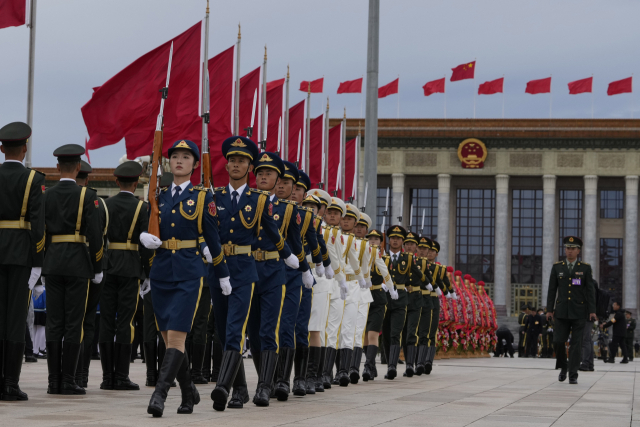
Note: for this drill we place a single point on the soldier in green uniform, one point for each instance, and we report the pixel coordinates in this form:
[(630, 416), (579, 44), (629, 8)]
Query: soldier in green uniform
[(95, 290), (128, 264), (522, 322), (21, 251), (426, 318), (631, 329), (414, 309), (73, 259), (547, 338), (570, 302)]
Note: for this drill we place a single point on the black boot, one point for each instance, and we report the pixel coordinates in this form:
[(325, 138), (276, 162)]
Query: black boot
[(231, 361), (345, 362), (190, 395), (319, 374), (369, 372), (268, 360), (151, 360), (285, 366), (162, 349), (54, 365), (410, 355), (86, 354), (256, 362), (121, 369), (107, 360), (80, 368), (327, 370), (428, 366), (394, 355), (312, 369), (354, 370), (70, 353), (335, 380), (171, 363), (206, 363), (197, 360), (216, 360), (12, 361), (300, 371), (423, 350), (240, 394)]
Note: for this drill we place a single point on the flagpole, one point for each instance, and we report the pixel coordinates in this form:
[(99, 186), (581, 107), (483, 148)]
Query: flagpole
[(343, 153), (285, 138), (550, 94), (503, 96), (204, 108), (632, 95), (236, 106), (325, 164), (32, 59), (361, 98), (263, 123), (306, 137), (445, 97), (592, 97), (474, 89), (398, 95)]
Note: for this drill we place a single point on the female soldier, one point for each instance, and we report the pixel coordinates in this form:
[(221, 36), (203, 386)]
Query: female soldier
[(186, 212)]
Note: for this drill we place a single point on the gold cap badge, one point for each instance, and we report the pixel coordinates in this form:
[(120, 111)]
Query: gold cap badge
[(238, 143), (266, 158), (182, 144)]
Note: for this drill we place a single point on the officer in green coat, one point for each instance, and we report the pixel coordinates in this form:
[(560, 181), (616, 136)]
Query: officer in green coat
[(570, 302), (631, 329)]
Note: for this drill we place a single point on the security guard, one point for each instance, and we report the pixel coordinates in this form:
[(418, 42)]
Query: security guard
[(242, 211), (426, 318), (21, 251), (95, 290), (522, 322), (414, 309), (571, 300), (128, 264), (74, 238)]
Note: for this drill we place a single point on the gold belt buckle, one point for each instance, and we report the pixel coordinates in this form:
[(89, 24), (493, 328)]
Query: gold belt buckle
[(259, 255), (172, 244), (229, 250)]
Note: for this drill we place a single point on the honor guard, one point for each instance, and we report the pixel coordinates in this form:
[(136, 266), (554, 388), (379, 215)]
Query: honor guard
[(522, 326), (242, 213), (129, 262), (73, 260), (427, 316), (414, 308), (21, 252), (571, 300), (381, 284)]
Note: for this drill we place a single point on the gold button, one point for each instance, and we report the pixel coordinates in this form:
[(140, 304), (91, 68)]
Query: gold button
[(249, 219), (233, 219), (197, 253), (173, 252), (230, 231), (569, 291), (259, 238), (569, 298), (173, 211)]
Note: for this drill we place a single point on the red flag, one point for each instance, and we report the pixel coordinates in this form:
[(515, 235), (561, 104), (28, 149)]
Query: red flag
[(388, 89), (316, 131), (275, 118), (249, 89), (296, 131), (316, 85), (127, 105), (349, 167), (539, 86), (436, 86), (334, 154), (86, 150), (464, 71), (581, 86), (620, 86), (351, 86), (13, 13), (489, 88)]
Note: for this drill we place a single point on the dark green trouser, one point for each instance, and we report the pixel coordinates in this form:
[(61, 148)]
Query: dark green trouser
[(150, 331), (414, 313), (562, 329), (117, 307), (630, 349), (14, 301), (436, 320), (89, 324), (394, 320), (66, 304), (198, 334), (426, 321)]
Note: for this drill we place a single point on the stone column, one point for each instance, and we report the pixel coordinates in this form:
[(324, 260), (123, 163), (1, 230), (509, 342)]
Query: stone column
[(397, 191), (590, 246), (501, 255), (444, 195), (630, 242), (549, 229)]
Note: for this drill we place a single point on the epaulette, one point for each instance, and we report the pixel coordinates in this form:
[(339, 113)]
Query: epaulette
[(291, 202), (199, 187), (218, 189), (165, 189), (585, 263), (302, 208), (255, 190), (91, 188), (559, 262), (41, 173)]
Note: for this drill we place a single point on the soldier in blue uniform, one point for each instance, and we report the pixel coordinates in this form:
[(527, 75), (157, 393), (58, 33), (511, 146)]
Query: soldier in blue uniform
[(242, 213), (186, 213)]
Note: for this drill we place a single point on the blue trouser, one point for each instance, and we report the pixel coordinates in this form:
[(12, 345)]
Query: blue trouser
[(264, 319), (304, 314), (232, 315), (290, 307)]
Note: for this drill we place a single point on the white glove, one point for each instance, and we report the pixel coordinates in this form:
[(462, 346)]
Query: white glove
[(438, 291), (207, 254), (448, 296), (37, 291), (328, 272), (35, 275), (384, 288), (150, 241), (225, 285), (97, 278), (455, 297), (343, 285), (362, 283), (343, 294), (430, 287), (393, 293), (319, 270), (42, 280), (307, 279), (368, 283), (292, 261), (145, 287), (550, 329)]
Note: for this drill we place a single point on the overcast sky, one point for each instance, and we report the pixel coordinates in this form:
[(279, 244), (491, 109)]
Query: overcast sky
[(82, 43)]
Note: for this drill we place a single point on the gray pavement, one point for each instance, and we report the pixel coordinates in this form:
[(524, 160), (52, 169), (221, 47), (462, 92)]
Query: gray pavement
[(460, 392)]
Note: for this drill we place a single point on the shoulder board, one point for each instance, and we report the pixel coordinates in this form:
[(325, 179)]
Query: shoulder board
[(585, 263), (302, 208), (164, 190), (287, 201), (559, 262), (37, 171), (218, 189), (92, 189), (255, 190), (199, 187)]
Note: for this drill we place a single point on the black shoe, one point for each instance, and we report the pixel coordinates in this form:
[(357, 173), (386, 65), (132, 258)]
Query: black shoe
[(10, 390), (301, 359), (107, 355), (70, 354), (229, 367), (370, 363), (394, 354), (573, 381), (562, 375), (268, 362), (285, 366), (30, 359), (240, 394), (583, 369), (171, 364), (190, 395), (345, 362), (421, 360), (121, 368), (312, 369), (624, 360), (410, 356), (197, 360), (354, 370), (54, 365), (327, 370), (150, 349), (591, 369)]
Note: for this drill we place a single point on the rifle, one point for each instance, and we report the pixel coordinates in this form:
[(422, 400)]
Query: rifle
[(207, 176), (156, 171)]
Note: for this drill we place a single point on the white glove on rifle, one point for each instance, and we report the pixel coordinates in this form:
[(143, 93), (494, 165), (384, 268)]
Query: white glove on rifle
[(37, 291), (455, 296), (319, 270), (97, 278), (35, 275), (225, 285), (145, 287), (150, 241), (292, 261), (207, 255), (307, 279), (328, 272), (393, 293), (430, 287), (362, 283), (438, 291), (384, 288)]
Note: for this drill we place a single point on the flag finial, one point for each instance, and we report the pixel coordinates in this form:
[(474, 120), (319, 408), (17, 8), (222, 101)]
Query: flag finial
[(327, 106), (287, 71), (309, 90), (359, 124), (207, 7), (345, 112), (239, 37), (265, 52)]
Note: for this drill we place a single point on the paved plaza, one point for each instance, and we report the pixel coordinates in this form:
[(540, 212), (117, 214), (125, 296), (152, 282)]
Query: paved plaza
[(460, 392)]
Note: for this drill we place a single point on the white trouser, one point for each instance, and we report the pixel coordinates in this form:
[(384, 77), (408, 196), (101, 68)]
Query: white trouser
[(361, 323), (39, 339), (319, 312), (348, 328), (336, 308)]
